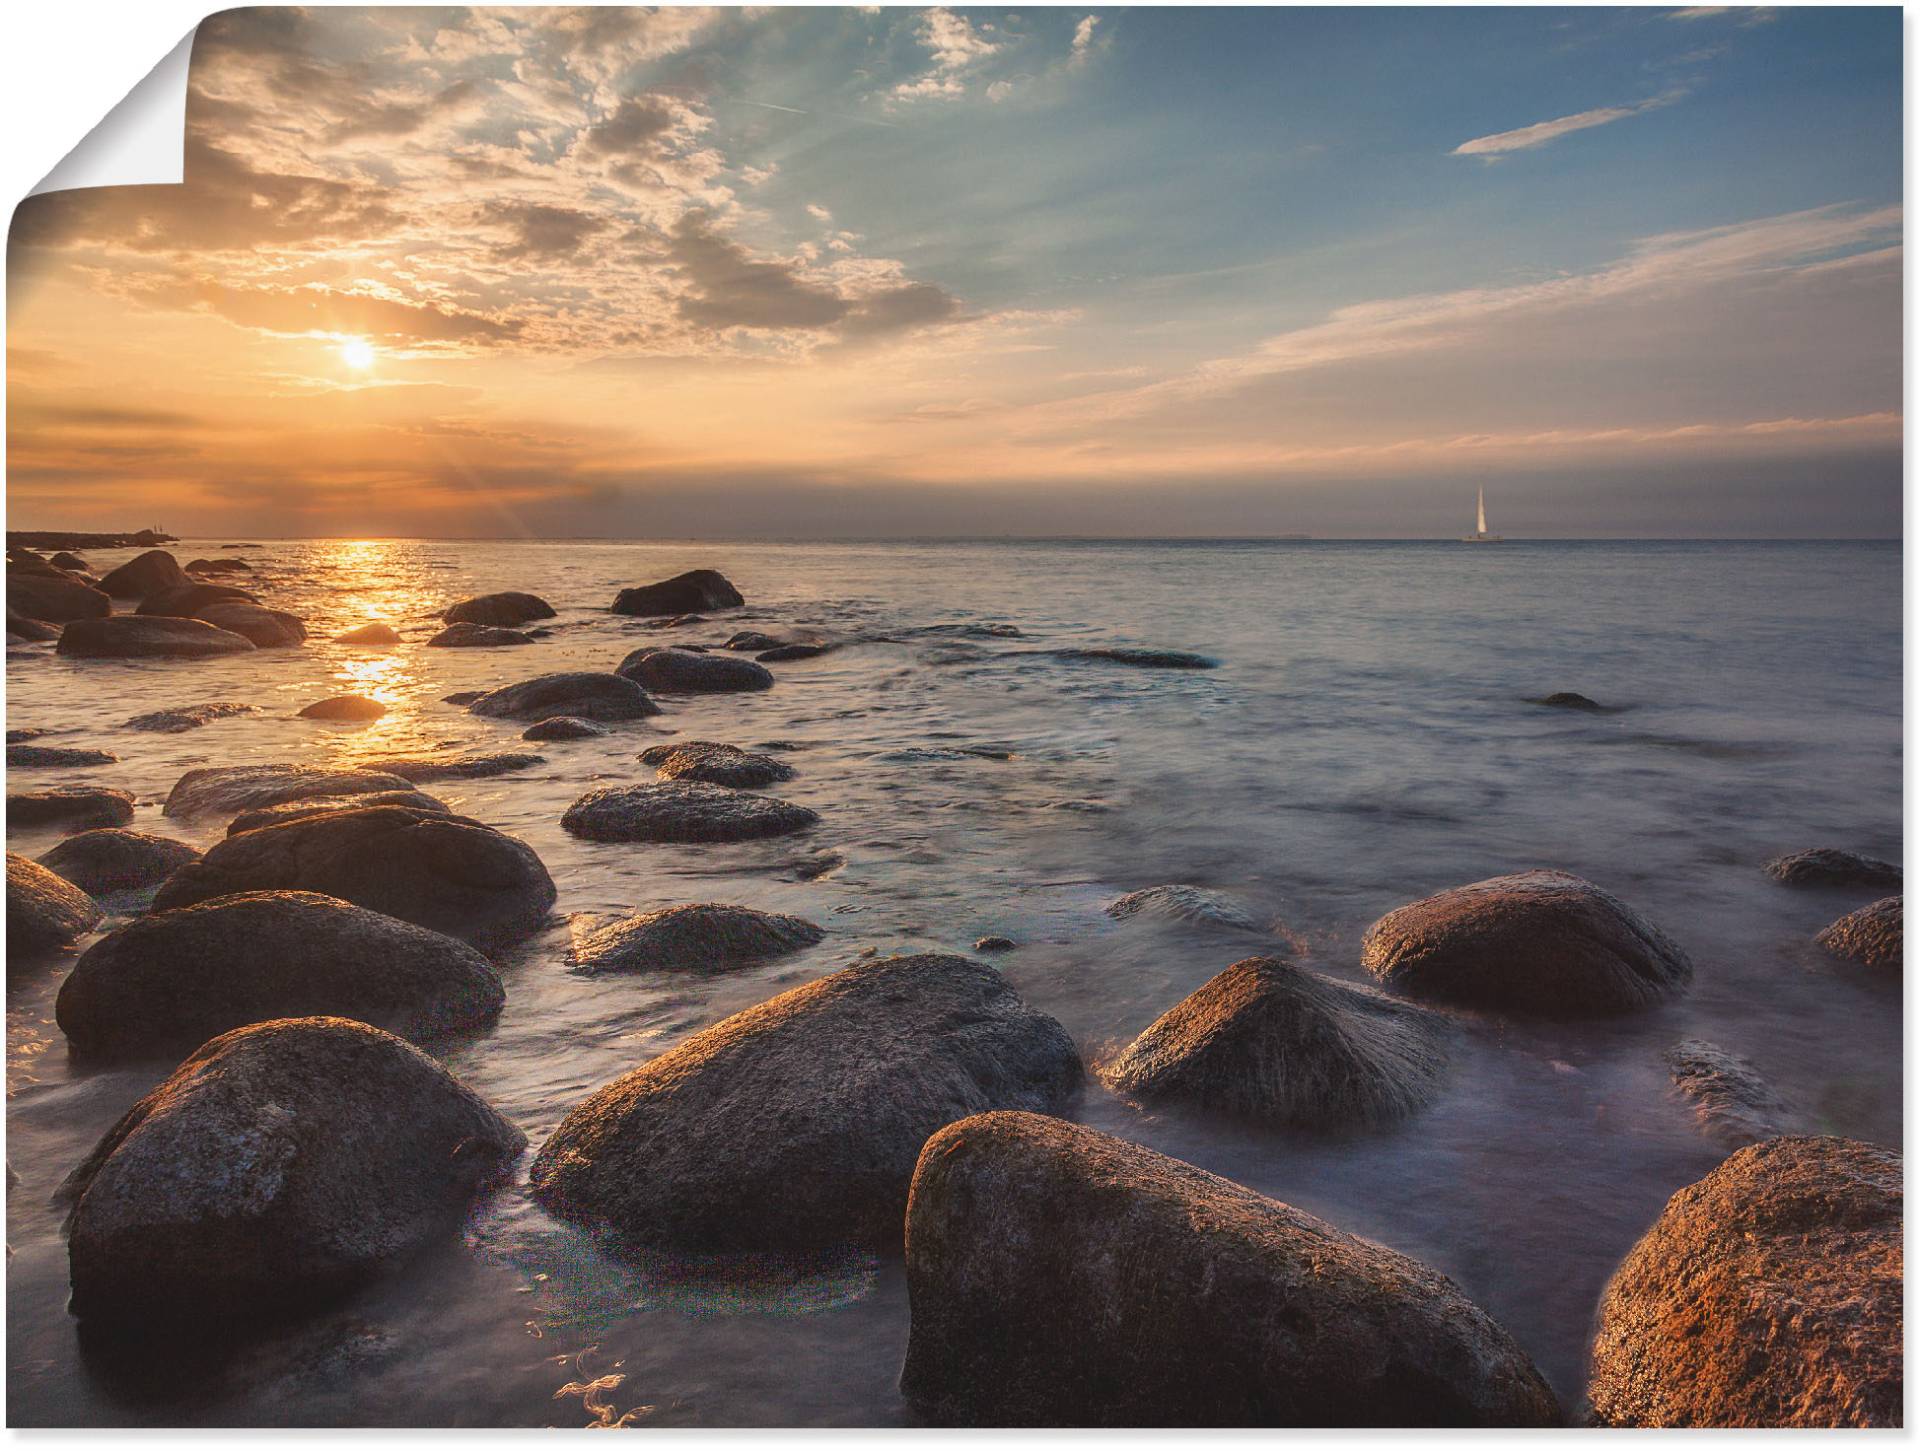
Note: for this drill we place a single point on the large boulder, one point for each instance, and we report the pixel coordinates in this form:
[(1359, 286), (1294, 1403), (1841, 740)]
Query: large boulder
[(74, 807), (446, 872), (1061, 1277), (147, 636), (108, 860), (209, 789), (1731, 1101), (588, 694), (188, 600), (44, 911), (294, 810), (268, 629), (1268, 1040), (1829, 866), (1539, 942), (144, 575), (794, 1125), (694, 671), (1180, 902), (1872, 936), (697, 589), (715, 763), (682, 811), (171, 980), (507, 608), (280, 1166), (697, 937), (70, 562), (189, 717), (55, 597), (19, 628), (1767, 1294), (469, 636)]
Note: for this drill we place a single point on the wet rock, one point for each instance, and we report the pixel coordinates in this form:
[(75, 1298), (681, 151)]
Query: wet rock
[(219, 566), (562, 728), (1871, 936), (295, 810), (463, 697), (791, 652), (1144, 659), (67, 560), (209, 789), (74, 807), (423, 769), (171, 980), (699, 937), (995, 944), (374, 634), (268, 629), (504, 609), (19, 735), (188, 600), (1541, 942), (466, 636), (1062, 1277), (344, 707), (682, 811), (794, 1125), (753, 640), (107, 860), (689, 671), (1767, 1294), (145, 636), (21, 628), (188, 717), (44, 911), (697, 589), (1178, 902), (588, 694), (27, 756), (1826, 866), (715, 763), (449, 873), (282, 1165), (1730, 1099), (1270, 1041), (54, 598), (144, 575), (1569, 700)]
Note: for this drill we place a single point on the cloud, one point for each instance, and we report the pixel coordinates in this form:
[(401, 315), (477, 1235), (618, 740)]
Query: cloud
[(1746, 15), (542, 232), (1525, 138), (955, 46), (1083, 39), (818, 212)]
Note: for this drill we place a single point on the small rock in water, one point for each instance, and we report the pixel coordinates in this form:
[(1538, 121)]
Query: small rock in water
[(208, 789), (1177, 902), (423, 769), (697, 589), (268, 629), (995, 944), (465, 636), (462, 697), (689, 671), (588, 694), (1826, 866), (219, 566), (753, 640), (791, 652), (504, 609), (716, 763), (344, 707), (73, 806), (1871, 936), (682, 811), (294, 810), (1732, 1102), (374, 634), (188, 717), (699, 937), (1144, 658), (25, 756), (44, 910), (562, 728), (1569, 700), (108, 859), (148, 636), (21, 734)]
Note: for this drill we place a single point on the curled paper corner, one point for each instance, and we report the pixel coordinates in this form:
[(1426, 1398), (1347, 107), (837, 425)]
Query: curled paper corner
[(141, 142)]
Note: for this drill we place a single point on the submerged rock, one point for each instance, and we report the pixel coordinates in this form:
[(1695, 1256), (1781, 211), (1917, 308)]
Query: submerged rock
[(188, 600), (715, 763), (295, 810), (504, 609), (283, 1164), (1270, 1041), (1827, 866), (108, 859), (344, 707), (467, 636), (1871, 936), (171, 980), (268, 629), (562, 728), (753, 640), (697, 589), (145, 574), (1767, 1294), (21, 757), (54, 598), (449, 873), (682, 811), (1061, 1277), (781, 653), (1542, 942), (588, 694), (995, 944), (691, 671), (19, 735), (374, 634), (148, 636), (463, 697), (44, 911), (209, 789), (71, 806), (794, 1125), (1178, 902), (1143, 658), (188, 717), (1730, 1099), (698, 937), (422, 769), (218, 566), (1569, 700)]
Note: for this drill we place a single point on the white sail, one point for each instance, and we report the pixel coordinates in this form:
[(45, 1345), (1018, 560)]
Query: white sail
[(1483, 509)]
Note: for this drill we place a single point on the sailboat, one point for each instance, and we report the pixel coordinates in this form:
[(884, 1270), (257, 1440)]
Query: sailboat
[(1480, 535)]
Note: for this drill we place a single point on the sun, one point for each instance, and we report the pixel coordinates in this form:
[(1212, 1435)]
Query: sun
[(357, 353)]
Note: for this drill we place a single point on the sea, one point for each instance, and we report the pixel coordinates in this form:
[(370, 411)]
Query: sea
[(1368, 737)]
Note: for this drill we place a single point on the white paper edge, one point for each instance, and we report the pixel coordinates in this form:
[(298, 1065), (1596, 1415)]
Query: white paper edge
[(140, 142)]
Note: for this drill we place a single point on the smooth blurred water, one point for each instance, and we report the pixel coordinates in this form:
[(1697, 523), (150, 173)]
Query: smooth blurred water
[(1366, 740)]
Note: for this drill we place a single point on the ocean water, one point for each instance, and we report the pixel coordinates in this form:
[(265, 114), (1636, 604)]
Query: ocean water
[(1366, 740)]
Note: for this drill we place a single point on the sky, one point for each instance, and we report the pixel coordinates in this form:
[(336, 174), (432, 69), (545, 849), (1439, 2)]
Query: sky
[(899, 271)]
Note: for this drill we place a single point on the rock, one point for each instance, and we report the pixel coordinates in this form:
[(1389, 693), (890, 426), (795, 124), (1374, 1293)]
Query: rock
[(282, 1165), (588, 694), (68, 560), (108, 859), (188, 600), (1142, 658), (142, 636), (753, 640), (562, 728), (697, 589), (54, 598), (268, 629), (1730, 1099), (374, 634), (791, 652), (21, 627), (449, 873), (219, 566), (171, 980), (26, 756), (238, 788), (145, 575), (682, 811), (682, 670), (794, 1125), (701, 937), (1538, 942), (715, 763), (188, 717), (1569, 700), (466, 636), (1178, 902), (422, 769), (1061, 1277), (1826, 866), (1267, 1040), (295, 810), (344, 707), (995, 944), (19, 735), (44, 911), (463, 697), (506, 608), (1871, 936), (74, 807), (1767, 1294)]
